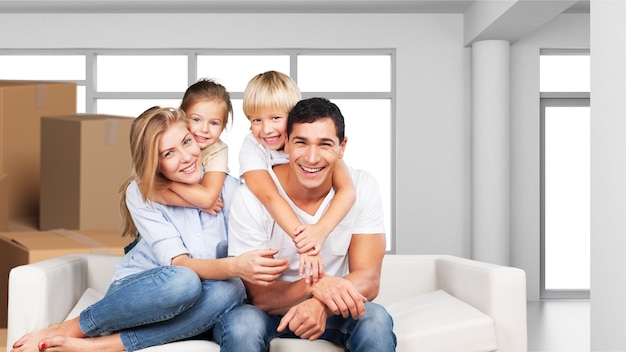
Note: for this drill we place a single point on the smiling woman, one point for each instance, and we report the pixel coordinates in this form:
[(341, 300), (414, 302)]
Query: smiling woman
[(179, 155)]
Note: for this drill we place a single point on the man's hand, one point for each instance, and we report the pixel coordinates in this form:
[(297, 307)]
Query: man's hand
[(340, 296), (307, 319)]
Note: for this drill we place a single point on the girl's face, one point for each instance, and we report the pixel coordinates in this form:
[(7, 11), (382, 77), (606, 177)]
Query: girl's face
[(270, 129), (179, 155), (206, 120)]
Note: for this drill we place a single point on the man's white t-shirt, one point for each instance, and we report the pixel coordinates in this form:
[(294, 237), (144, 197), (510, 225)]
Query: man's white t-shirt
[(252, 227), (255, 156)]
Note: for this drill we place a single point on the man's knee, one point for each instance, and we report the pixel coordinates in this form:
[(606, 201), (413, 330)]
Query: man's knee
[(377, 316), (244, 324)]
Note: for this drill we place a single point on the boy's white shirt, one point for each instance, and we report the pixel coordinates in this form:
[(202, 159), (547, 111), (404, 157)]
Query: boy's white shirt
[(255, 156)]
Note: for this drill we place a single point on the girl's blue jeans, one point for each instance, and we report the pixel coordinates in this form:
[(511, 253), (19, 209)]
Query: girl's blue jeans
[(248, 328), (160, 305)]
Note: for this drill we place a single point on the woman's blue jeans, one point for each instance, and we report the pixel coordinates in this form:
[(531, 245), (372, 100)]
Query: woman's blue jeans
[(248, 328), (160, 305)]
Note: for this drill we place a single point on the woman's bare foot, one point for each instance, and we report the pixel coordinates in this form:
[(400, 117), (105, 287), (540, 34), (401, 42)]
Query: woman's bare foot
[(59, 343), (30, 341)]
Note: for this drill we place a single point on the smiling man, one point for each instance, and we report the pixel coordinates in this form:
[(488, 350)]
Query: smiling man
[(338, 307)]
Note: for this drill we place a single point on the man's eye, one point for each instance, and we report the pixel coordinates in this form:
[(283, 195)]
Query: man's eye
[(187, 141)]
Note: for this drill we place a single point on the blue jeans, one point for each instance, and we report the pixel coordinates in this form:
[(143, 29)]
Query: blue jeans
[(160, 305), (248, 328)]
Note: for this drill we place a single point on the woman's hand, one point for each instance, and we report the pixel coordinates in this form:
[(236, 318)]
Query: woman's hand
[(259, 266)]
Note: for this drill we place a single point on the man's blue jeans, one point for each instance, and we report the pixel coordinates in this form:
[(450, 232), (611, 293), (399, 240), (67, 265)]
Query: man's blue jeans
[(247, 328), (160, 305)]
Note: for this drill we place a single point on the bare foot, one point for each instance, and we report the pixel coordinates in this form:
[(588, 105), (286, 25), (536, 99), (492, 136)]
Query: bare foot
[(59, 343), (30, 341)]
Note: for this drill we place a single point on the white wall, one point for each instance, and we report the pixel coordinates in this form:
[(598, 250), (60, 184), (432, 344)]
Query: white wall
[(608, 176), (432, 131), (564, 32)]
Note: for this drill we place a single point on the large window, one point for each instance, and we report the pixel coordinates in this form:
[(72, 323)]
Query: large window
[(127, 82), (565, 121)]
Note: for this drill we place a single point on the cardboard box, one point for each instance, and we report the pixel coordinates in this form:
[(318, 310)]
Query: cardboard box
[(19, 248), (3, 339), (22, 103), (85, 159), (4, 202)]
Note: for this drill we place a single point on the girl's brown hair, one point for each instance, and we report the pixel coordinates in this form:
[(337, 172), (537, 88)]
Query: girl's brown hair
[(207, 89)]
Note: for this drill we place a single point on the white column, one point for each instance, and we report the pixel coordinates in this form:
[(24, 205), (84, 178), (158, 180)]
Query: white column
[(490, 151)]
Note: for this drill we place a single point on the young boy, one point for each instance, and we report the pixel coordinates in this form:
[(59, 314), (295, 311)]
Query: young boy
[(267, 100)]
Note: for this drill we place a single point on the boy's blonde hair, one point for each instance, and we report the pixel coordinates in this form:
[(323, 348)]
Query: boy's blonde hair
[(145, 134), (271, 90)]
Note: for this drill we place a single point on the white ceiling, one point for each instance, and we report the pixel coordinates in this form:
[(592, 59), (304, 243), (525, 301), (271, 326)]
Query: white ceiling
[(249, 6)]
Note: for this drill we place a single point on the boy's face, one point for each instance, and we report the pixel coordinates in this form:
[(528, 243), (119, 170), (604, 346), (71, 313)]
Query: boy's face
[(206, 120), (270, 128)]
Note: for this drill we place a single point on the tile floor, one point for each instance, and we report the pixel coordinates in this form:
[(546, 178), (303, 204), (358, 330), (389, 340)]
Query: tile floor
[(559, 326)]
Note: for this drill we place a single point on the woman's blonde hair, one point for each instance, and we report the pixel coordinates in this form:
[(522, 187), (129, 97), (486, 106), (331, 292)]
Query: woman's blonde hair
[(145, 133), (271, 90)]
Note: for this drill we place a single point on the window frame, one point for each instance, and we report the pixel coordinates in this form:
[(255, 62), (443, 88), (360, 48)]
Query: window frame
[(92, 95), (555, 99)]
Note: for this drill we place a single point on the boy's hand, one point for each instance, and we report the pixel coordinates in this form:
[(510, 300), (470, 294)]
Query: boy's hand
[(309, 238), (312, 267)]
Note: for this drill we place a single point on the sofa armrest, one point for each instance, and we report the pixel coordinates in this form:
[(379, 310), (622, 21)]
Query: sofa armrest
[(43, 293), (498, 291)]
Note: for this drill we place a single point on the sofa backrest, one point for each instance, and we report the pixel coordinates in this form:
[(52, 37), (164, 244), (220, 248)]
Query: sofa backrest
[(404, 276)]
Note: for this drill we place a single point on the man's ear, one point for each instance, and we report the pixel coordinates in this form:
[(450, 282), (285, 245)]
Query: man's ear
[(286, 147), (343, 147)]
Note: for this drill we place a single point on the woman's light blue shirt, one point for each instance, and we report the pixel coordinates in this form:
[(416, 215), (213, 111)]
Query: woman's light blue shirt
[(168, 231)]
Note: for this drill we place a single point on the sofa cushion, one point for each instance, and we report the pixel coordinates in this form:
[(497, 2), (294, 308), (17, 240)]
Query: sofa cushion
[(89, 297), (438, 321)]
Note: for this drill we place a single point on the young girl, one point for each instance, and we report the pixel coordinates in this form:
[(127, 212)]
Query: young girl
[(174, 284), (207, 106), (267, 100)]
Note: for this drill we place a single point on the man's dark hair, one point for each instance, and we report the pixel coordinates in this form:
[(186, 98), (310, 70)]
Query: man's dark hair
[(313, 109)]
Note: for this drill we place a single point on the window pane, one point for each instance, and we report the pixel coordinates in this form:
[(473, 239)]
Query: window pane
[(349, 73), (564, 73), (81, 99), (234, 135), (42, 67), (567, 198), (234, 71), (141, 73), (132, 107), (368, 120)]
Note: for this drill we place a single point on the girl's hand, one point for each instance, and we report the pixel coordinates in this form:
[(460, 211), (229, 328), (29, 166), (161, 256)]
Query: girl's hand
[(215, 208)]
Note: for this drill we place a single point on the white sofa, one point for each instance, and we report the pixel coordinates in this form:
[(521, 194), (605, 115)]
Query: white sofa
[(439, 303)]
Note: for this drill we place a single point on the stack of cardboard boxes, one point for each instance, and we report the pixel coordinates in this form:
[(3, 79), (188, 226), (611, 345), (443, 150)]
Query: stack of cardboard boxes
[(60, 173)]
